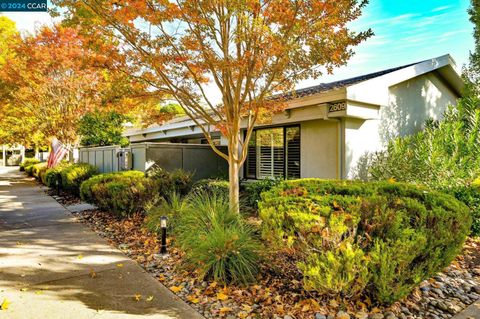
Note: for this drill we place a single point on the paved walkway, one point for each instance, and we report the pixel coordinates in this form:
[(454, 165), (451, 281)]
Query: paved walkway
[(53, 267), (471, 312)]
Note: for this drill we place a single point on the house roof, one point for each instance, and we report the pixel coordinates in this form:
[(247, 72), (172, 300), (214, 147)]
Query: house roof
[(323, 87), (357, 88)]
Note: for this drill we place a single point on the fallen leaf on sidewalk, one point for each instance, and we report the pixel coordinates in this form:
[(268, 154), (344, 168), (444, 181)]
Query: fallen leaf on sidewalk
[(79, 256), (23, 289), (119, 265), (19, 243), (5, 304), (38, 292), (149, 298), (137, 297), (93, 274)]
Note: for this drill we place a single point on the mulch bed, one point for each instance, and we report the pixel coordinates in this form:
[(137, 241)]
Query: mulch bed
[(278, 292)]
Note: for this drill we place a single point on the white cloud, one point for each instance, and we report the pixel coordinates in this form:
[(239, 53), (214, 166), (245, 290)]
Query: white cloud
[(442, 8)]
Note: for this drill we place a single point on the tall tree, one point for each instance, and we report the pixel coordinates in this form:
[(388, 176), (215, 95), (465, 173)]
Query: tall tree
[(56, 76), (245, 50)]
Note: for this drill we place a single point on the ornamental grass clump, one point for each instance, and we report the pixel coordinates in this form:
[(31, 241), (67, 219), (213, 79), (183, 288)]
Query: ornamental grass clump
[(216, 239), (379, 239)]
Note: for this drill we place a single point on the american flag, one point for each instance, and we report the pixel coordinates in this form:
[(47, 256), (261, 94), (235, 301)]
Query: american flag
[(57, 153)]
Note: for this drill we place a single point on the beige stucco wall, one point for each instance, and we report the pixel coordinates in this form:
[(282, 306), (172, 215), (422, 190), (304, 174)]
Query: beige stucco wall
[(410, 104), (319, 149), (413, 102)]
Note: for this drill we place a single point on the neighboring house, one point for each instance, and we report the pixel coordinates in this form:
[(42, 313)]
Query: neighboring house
[(327, 128)]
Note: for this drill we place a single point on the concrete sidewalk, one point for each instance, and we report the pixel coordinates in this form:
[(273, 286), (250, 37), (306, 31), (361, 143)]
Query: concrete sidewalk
[(52, 267), (471, 312)]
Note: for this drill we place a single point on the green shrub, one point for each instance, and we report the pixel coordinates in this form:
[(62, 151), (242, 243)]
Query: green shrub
[(254, 189), (341, 230), (28, 162), (29, 170), (121, 193), (470, 195), (216, 240), (86, 187), (211, 186), (177, 181), (52, 175), (74, 175), (38, 170)]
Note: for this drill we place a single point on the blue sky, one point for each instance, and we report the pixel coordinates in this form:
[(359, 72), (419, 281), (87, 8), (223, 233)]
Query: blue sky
[(406, 31)]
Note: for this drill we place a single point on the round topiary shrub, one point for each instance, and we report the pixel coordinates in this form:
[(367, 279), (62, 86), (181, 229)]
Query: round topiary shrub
[(121, 193), (350, 238)]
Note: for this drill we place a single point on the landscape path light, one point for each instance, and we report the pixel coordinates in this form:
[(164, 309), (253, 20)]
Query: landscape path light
[(163, 226)]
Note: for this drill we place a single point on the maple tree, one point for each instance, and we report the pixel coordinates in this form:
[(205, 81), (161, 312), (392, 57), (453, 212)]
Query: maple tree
[(56, 76), (248, 51)]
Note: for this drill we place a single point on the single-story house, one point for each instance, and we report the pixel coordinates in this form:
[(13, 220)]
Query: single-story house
[(327, 128)]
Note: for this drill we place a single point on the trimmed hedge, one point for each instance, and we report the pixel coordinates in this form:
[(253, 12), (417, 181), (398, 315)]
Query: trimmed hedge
[(211, 186), (39, 170), (74, 175), (176, 181), (350, 238), (52, 175), (121, 193), (28, 162), (254, 189)]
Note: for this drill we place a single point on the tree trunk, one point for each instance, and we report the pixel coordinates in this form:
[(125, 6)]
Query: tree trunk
[(233, 174), (234, 189)]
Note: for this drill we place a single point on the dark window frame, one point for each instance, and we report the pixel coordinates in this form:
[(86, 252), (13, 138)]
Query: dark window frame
[(285, 152)]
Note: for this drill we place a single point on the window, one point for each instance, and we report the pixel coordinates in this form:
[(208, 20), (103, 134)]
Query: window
[(274, 152)]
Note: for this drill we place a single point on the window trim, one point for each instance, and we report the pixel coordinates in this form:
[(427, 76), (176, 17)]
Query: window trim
[(285, 153)]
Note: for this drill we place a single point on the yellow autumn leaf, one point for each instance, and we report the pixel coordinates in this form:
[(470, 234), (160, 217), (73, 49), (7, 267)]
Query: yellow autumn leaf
[(79, 256), (225, 309), (193, 299), (222, 296), (149, 298), (38, 292), (23, 289), (137, 297), (242, 315), (119, 265), (175, 288), (5, 304), (93, 274)]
